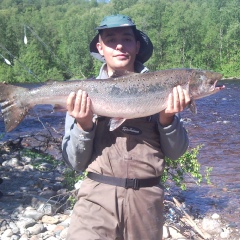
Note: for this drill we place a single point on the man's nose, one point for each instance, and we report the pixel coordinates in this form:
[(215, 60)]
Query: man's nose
[(119, 46)]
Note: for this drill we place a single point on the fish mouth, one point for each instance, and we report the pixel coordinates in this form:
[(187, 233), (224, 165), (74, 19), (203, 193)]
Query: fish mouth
[(217, 87)]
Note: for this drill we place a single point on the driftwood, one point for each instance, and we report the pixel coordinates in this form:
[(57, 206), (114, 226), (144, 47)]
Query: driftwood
[(188, 220)]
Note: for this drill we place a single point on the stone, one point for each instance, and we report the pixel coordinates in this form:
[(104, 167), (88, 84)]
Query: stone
[(24, 237), (7, 233), (25, 222), (36, 229), (15, 237), (63, 234), (225, 234), (215, 216), (211, 226), (165, 232), (34, 214), (14, 228), (50, 220), (175, 234)]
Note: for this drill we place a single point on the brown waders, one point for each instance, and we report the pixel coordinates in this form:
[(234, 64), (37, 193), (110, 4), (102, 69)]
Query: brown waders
[(108, 212)]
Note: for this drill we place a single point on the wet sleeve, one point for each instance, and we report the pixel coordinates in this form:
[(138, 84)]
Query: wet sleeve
[(174, 139), (77, 145)]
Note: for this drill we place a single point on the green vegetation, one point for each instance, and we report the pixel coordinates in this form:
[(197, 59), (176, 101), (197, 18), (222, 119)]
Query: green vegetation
[(186, 165), (40, 161), (185, 33), (71, 177)]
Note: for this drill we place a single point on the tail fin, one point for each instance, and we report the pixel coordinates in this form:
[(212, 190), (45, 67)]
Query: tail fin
[(13, 108)]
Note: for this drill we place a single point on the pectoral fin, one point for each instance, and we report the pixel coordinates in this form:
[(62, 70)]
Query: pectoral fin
[(192, 106), (115, 123), (59, 108)]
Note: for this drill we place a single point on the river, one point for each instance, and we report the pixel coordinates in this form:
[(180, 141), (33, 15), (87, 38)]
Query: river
[(216, 126)]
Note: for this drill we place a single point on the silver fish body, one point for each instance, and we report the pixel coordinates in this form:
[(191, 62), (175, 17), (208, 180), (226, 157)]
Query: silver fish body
[(125, 97)]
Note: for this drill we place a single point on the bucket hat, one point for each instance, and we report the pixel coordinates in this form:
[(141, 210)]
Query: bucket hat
[(115, 21)]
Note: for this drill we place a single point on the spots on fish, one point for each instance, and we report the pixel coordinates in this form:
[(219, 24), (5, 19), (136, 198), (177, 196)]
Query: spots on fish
[(121, 91)]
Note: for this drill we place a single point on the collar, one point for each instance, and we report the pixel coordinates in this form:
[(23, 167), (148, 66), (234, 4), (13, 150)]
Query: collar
[(139, 68)]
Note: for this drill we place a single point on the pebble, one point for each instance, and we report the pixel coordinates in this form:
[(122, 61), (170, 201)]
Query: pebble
[(211, 226), (30, 210)]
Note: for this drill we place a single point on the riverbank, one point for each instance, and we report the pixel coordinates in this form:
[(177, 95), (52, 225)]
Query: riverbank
[(36, 203)]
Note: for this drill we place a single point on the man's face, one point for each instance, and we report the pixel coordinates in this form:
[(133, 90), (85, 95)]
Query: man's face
[(119, 47)]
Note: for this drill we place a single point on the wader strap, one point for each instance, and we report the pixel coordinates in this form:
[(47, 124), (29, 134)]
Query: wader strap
[(133, 183)]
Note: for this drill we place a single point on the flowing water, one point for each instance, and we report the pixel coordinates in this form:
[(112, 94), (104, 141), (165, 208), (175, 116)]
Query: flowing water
[(216, 126)]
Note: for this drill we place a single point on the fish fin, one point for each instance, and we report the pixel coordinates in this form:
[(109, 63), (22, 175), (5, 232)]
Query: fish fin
[(115, 123), (192, 106), (59, 108), (12, 109)]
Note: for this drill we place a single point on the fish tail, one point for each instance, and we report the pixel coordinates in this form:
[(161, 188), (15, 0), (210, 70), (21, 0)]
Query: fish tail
[(12, 108)]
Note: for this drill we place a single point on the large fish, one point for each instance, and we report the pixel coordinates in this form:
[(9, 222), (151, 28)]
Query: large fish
[(125, 97)]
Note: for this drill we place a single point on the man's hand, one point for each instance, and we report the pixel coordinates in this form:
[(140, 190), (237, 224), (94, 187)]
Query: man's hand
[(177, 101), (79, 107)]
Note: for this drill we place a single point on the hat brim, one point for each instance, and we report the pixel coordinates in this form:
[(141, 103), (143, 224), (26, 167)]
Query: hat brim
[(145, 51)]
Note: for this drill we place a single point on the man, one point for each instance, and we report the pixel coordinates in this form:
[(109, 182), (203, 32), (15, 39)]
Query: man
[(121, 198)]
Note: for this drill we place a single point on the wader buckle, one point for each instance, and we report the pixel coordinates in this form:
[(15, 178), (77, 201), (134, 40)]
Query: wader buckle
[(132, 183)]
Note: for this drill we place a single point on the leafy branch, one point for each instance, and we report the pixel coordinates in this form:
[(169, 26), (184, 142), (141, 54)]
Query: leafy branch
[(187, 165)]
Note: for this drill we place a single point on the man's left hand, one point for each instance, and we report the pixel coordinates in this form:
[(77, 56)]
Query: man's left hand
[(177, 102)]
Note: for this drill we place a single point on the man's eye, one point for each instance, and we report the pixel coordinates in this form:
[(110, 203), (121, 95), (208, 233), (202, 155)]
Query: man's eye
[(111, 40)]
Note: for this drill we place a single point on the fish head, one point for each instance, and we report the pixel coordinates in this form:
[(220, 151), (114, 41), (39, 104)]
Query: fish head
[(204, 83)]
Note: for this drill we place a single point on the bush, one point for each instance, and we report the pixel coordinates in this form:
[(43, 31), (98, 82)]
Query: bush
[(187, 165)]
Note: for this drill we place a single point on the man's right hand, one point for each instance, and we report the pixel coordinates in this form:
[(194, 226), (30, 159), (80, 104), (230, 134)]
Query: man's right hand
[(79, 107)]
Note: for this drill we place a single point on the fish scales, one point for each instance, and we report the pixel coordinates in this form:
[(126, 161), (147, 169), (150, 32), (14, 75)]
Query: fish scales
[(125, 97)]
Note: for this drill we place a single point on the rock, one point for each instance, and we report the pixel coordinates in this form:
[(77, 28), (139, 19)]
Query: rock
[(165, 232), (24, 237), (63, 234), (215, 216), (7, 233), (211, 226), (14, 228), (52, 238), (45, 206), (34, 214), (35, 237), (15, 237), (14, 162), (48, 193), (36, 229), (78, 184), (25, 222), (225, 234), (58, 229), (175, 234), (50, 220)]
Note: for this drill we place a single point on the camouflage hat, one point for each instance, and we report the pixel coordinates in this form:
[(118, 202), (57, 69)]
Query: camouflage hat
[(114, 21)]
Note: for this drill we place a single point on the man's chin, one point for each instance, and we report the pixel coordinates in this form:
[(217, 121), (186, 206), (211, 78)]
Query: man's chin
[(122, 64)]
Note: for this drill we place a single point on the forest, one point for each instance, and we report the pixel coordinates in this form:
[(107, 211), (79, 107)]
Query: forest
[(49, 39)]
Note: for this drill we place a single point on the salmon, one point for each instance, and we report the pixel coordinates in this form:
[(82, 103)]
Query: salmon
[(123, 97)]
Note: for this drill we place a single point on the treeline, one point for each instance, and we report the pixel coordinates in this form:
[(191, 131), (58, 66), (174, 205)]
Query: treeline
[(49, 39)]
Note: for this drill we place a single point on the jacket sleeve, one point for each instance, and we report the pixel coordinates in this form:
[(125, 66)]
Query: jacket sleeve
[(174, 139), (77, 145)]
